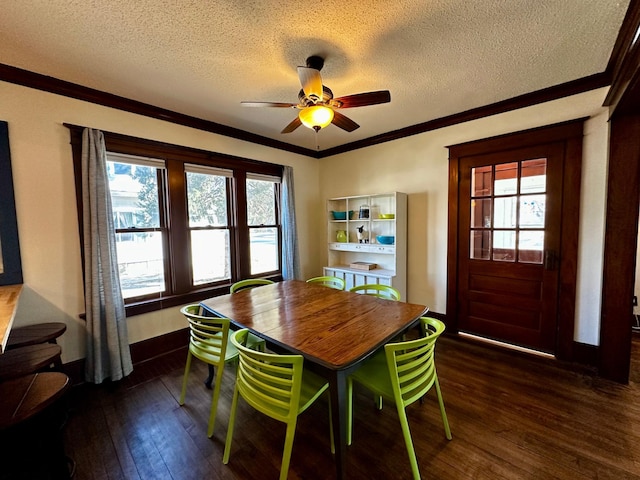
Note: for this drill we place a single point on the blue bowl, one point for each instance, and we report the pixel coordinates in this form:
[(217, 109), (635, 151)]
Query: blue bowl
[(341, 215), (386, 239)]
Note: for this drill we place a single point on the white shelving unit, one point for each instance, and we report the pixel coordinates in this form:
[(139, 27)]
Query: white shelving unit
[(391, 260)]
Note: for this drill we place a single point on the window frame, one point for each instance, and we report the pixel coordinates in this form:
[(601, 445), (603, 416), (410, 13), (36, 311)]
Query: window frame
[(179, 277)]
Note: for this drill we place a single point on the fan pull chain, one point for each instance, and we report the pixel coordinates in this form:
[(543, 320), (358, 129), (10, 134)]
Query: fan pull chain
[(317, 142)]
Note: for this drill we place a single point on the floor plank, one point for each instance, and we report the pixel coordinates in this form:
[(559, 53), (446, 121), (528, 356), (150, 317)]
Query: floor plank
[(511, 417)]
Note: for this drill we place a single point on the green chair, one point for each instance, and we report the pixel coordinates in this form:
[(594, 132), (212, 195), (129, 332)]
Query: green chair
[(381, 291), (328, 281), (404, 372), (249, 283), (276, 385), (208, 342), (236, 287)]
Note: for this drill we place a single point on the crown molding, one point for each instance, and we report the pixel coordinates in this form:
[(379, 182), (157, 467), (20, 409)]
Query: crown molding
[(61, 87)]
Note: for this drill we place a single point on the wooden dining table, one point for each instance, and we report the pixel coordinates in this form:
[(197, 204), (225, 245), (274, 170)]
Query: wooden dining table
[(334, 330)]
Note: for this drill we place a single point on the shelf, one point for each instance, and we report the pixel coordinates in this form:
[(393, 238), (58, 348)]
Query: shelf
[(376, 272), (390, 259)]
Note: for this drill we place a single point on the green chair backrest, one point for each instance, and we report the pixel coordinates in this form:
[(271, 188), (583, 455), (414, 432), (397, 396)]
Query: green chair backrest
[(268, 382), (249, 283), (381, 291), (411, 363), (328, 281), (208, 335)]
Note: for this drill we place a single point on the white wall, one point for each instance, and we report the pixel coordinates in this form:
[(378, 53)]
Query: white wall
[(46, 208), (418, 166)]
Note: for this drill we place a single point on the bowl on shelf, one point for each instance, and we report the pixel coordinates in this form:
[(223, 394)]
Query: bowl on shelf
[(387, 216), (341, 215), (386, 239)]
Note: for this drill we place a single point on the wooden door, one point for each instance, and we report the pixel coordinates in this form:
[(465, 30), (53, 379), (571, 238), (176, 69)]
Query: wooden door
[(509, 245)]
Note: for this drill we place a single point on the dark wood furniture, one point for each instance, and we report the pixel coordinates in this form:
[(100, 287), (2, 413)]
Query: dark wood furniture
[(31, 419), (334, 330), (30, 359), (35, 334)]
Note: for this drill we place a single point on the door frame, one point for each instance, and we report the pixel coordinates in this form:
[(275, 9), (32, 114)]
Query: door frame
[(570, 133)]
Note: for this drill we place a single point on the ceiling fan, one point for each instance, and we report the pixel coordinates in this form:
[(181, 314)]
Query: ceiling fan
[(317, 107)]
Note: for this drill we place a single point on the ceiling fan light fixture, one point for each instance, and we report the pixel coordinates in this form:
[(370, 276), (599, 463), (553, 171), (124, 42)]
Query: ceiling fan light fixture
[(316, 117)]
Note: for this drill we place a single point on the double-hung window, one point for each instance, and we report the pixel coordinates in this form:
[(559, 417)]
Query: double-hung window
[(188, 223), (263, 193), (209, 223), (136, 184)]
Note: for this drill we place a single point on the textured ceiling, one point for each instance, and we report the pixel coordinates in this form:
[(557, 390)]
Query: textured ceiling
[(202, 58)]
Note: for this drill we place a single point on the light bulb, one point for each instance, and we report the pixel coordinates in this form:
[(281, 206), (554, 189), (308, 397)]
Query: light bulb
[(316, 116)]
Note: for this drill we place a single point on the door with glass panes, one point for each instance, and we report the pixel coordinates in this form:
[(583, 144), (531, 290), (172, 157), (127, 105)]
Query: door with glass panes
[(509, 244)]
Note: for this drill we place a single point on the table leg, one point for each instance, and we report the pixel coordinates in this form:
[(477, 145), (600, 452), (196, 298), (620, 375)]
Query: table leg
[(338, 394)]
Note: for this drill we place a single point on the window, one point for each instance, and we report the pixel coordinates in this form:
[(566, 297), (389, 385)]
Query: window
[(264, 231), (135, 185), (209, 232), (188, 222)]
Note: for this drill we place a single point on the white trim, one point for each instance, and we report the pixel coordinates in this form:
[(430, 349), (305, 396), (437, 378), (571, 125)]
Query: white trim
[(193, 168), (144, 161), (263, 178)]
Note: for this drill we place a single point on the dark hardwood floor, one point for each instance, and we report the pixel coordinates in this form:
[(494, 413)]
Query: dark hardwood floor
[(511, 417)]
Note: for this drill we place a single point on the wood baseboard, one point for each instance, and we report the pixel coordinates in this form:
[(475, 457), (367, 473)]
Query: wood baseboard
[(140, 352)]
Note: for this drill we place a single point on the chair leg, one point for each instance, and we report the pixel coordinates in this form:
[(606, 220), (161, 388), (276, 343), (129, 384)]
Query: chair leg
[(447, 430), (404, 423), (232, 420), (214, 400), (209, 379), (288, 447), (331, 437), (349, 410), (187, 367)]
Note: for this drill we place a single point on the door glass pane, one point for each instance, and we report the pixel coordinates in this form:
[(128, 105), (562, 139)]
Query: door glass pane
[(480, 244), (506, 181), (140, 263), (504, 246), (263, 248), (261, 205), (530, 246), (206, 199), (505, 212), (534, 176), (481, 213), (210, 256), (481, 181), (532, 211)]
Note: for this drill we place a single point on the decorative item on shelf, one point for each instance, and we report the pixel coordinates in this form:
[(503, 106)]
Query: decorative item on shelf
[(341, 215), (386, 239), (362, 238), (363, 265), (387, 216), (364, 211), (341, 236)]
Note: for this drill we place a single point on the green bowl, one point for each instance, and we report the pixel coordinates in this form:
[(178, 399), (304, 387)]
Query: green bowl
[(387, 215)]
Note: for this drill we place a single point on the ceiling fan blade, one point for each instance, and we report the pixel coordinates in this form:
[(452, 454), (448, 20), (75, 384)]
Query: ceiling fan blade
[(295, 123), (345, 123), (269, 104), (362, 99), (311, 82)]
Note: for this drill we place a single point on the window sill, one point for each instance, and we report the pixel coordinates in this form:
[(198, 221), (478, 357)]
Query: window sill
[(169, 301)]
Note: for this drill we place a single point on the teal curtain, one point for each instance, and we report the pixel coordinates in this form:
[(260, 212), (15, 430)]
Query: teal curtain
[(108, 355), (290, 254)]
